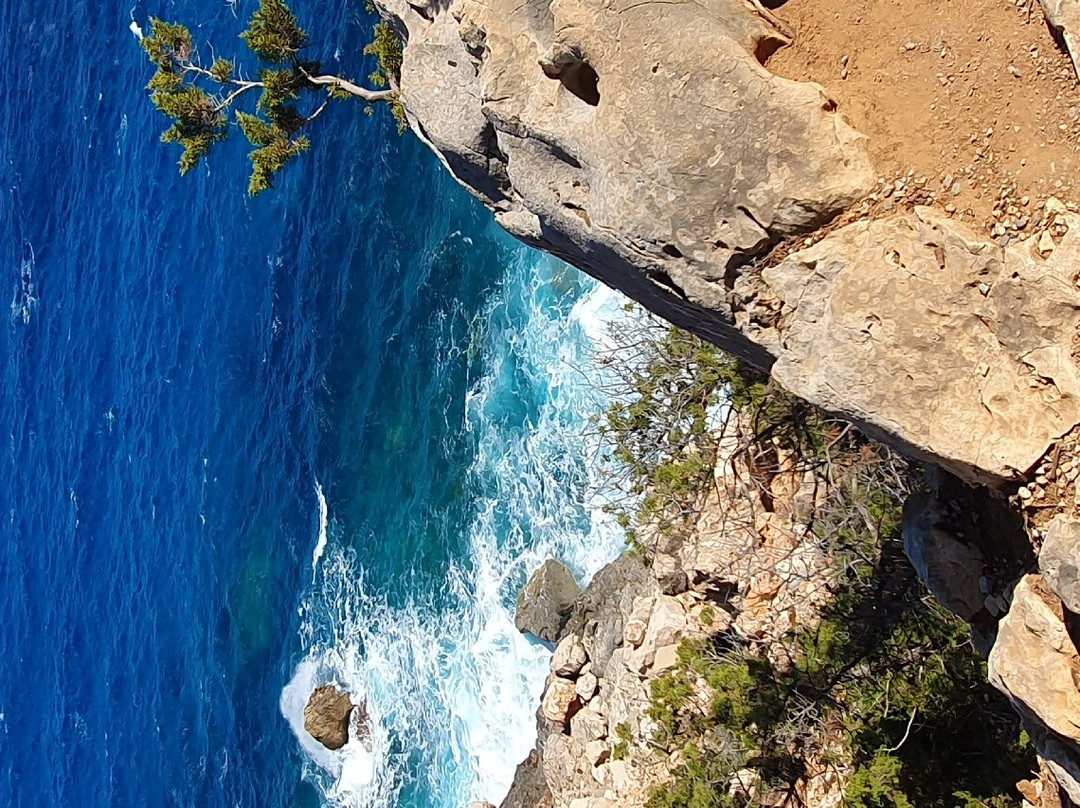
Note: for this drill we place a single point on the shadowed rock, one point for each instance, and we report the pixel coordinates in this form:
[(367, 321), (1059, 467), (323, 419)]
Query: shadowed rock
[(544, 605)]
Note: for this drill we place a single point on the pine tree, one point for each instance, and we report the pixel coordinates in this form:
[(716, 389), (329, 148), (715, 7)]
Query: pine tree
[(199, 99)]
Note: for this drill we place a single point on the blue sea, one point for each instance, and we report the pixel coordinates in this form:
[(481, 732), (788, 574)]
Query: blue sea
[(252, 446)]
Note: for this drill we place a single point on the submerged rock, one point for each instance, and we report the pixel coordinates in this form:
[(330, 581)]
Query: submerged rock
[(544, 605), (326, 716)]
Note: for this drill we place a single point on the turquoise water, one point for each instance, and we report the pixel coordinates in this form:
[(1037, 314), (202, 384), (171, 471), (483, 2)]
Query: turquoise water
[(255, 445)]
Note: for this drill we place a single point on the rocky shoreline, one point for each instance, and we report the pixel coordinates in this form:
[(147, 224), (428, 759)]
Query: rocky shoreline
[(936, 307), (745, 569)]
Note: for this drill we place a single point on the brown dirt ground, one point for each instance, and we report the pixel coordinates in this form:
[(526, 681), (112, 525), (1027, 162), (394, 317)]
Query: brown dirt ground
[(973, 97)]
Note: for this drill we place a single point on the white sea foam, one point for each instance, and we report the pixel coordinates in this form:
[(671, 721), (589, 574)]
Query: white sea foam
[(136, 31), (320, 544), (452, 687), (24, 302)]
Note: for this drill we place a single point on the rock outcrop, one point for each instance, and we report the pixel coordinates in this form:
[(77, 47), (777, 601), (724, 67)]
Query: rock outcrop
[(326, 716), (749, 569), (1059, 561), (544, 605), (646, 144), (1034, 661), (1064, 17)]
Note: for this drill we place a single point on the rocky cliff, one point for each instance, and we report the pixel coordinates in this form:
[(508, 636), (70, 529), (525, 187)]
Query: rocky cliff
[(651, 145)]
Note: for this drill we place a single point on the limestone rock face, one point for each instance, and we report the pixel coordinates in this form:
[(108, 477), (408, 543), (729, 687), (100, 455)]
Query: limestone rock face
[(1059, 561), (646, 144), (560, 701), (1034, 661), (326, 716), (939, 342), (569, 657), (606, 607), (545, 602), (530, 788)]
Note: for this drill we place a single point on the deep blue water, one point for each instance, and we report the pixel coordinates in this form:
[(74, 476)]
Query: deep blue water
[(251, 446)]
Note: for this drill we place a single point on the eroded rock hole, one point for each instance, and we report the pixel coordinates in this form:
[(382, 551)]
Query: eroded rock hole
[(765, 47), (581, 80), (672, 250)]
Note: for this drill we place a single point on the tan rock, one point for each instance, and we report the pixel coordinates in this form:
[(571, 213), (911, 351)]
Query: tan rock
[(634, 632), (560, 701), (326, 716), (626, 696), (569, 657), (586, 686), (597, 752), (588, 724), (884, 315), (565, 770), (666, 623), (1034, 661), (1064, 16), (638, 621), (667, 657), (1046, 244), (1059, 560)]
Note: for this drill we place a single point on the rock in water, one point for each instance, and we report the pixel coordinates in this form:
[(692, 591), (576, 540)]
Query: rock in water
[(326, 716), (544, 604)]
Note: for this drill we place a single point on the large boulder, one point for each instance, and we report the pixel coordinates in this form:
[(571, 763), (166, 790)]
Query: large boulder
[(1034, 661), (1059, 560), (530, 788), (950, 568), (544, 605), (607, 604), (569, 657), (560, 701), (647, 144), (935, 339), (326, 716)]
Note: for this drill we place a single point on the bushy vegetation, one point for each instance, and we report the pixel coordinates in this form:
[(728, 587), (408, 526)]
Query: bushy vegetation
[(386, 47), (198, 98), (886, 686), (663, 433)]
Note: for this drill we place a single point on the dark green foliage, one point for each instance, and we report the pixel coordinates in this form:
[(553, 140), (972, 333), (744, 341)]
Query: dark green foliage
[(887, 671), (661, 434), (274, 33), (268, 160), (168, 45), (201, 116), (887, 675), (386, 48), (876, 784), (197, 126), (221, 70)]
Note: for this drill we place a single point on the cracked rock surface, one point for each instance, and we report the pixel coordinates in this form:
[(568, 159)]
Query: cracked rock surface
[(645, 143)]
